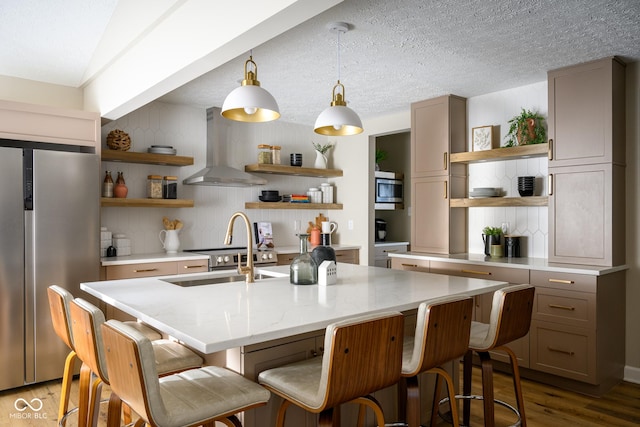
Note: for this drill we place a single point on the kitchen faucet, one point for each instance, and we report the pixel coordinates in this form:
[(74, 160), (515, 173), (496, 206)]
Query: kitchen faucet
[(247, 269)]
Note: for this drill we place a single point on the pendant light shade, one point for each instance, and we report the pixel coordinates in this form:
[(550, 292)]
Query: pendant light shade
[(338, 119), (250, 102)]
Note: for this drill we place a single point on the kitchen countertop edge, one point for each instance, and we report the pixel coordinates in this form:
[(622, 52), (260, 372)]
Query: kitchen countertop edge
[(540, 264), (157, 257)]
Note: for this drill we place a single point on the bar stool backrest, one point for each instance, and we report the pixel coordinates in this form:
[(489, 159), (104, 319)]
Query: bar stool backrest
[(362, 355), (59, 299), (442, 333), (134, 378), (86, 319), (510, 314)]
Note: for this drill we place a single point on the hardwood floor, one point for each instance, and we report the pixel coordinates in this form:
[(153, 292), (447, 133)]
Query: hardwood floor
[(545, 406)]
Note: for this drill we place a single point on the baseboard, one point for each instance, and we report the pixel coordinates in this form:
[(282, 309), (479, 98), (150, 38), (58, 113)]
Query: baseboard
[(632, 374)]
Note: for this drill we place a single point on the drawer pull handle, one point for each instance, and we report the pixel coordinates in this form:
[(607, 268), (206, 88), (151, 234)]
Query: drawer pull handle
[(145, 270), (445, 190), (445, 160), (566, 282), (390, 250), (483, 273), (562, 307), (193, 266), (550, 189), (409, 265), (557, 350), (550, 154)]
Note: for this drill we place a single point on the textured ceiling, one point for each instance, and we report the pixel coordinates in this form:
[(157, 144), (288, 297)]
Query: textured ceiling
[(397, 52), (403, 51)]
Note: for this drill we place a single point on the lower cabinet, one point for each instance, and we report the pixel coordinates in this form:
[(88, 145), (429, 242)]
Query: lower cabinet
[(577, 326), (146, 269), (349, 256)]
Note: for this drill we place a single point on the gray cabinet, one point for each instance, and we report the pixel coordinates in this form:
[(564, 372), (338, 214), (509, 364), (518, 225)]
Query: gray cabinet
[(586, 164)]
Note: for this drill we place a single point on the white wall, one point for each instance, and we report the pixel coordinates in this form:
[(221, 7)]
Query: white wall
[(497, 109), (32, 92), (184, 128)]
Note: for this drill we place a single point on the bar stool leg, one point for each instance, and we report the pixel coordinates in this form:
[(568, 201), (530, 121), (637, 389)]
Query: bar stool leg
[(83, 404), (67, 379), (412, 401), (487, 388), (467, 374), (436, 401), (517, 385)]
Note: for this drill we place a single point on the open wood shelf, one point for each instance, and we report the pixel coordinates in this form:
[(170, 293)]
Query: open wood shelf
[(146, 203), (288, 205), (499, 202), (292, 170), (505, 153), (146, 158)]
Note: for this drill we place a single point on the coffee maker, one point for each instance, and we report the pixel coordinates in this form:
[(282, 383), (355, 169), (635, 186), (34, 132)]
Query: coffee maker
[(381, 230)]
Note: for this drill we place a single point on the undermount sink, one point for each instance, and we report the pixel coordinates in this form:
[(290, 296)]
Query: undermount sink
[(185, 283)]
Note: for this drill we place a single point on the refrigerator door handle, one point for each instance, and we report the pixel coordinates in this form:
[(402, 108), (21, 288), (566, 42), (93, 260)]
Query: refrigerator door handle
[(29, 297)]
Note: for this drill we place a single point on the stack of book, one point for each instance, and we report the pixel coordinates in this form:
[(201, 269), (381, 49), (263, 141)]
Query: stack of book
[(299, 198)]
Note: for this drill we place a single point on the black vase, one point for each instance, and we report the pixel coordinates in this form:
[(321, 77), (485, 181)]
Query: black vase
[(488, 241), (323, 253)]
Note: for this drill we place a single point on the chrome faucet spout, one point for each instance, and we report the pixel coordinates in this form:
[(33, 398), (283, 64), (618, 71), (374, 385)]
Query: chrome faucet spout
[(247, 270)]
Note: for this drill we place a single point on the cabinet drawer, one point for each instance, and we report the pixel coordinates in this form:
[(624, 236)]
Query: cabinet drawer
[(563, 350), (565, 281), (566, 307), (349, 256), (410, 264), (479, 271), (383, 252), (147, 269), (286, 259), (193, 266)]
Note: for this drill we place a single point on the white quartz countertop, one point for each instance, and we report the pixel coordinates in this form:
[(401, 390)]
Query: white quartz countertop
[(158, 257), (216, 317), (523, 263)]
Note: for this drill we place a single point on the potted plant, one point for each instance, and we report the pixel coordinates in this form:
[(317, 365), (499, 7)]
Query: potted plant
[(490, 236), (380, 156), (526, 128), (321, 159)]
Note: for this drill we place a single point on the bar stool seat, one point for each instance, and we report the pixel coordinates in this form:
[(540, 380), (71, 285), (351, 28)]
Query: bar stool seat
[(441, 335), (362, 355), (192, 397), (510, 319), (86, 321)]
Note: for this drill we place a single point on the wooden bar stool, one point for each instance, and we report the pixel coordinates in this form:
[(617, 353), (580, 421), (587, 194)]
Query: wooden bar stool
[(192, 397), (510, 319), (362, 355), (59, 299), (86, 321), (441, 335)]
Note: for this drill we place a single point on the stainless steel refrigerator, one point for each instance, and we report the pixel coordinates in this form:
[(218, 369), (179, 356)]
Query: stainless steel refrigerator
[(49, 234)]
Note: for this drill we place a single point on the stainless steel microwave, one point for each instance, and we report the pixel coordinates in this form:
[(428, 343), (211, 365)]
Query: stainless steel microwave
[(389, 190)]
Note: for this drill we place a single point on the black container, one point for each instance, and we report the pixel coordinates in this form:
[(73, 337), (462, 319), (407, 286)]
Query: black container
[(323, 253), (488, 241), (512, 246), (111, 251)]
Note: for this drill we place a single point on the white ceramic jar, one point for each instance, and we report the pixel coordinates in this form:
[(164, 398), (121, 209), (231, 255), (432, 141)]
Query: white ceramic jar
[(327, 192)]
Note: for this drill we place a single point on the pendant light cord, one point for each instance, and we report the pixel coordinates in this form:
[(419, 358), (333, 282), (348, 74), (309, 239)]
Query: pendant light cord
[(338, 54)]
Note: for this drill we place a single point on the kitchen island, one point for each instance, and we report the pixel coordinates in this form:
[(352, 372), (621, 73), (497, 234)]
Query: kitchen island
[(253, 327)]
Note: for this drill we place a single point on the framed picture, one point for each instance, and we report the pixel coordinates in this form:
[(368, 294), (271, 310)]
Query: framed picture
[(264, 234), (482, 138)]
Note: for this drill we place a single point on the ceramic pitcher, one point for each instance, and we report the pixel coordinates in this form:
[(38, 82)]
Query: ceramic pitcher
[(170, 241)]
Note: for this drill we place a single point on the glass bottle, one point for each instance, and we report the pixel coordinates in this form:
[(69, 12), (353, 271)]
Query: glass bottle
[(107, 185), (303, 270)]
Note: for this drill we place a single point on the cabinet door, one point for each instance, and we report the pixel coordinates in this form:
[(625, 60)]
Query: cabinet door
[(586, 113), (192, 266), (434, 227), (438, 128), (586, 215)]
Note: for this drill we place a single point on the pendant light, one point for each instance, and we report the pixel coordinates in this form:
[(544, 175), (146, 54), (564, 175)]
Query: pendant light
[(338, 119), (250, 102)]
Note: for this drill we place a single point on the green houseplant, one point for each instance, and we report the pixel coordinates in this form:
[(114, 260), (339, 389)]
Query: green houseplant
[(380, 156), (526, 128)]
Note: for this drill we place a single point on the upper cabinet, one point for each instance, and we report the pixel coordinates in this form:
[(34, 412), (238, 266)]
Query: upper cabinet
[(586, 113), (438, 128)]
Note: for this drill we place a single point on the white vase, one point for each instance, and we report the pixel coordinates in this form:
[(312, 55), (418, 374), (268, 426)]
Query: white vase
[(170, 242), (321, 161)]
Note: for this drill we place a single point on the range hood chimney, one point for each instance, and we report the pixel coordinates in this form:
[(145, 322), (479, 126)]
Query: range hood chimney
[(215, 173)]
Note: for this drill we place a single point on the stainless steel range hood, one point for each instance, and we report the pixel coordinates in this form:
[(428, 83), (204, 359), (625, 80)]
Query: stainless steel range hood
[(215, 173)]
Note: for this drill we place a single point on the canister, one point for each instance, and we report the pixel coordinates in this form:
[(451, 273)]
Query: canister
[(154, 187), (275, 154), (327, 192), (264, 154), (170, 187)]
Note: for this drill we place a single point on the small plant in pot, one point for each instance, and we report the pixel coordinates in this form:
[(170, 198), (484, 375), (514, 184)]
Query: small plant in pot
[(526, 128), (490, 236)]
